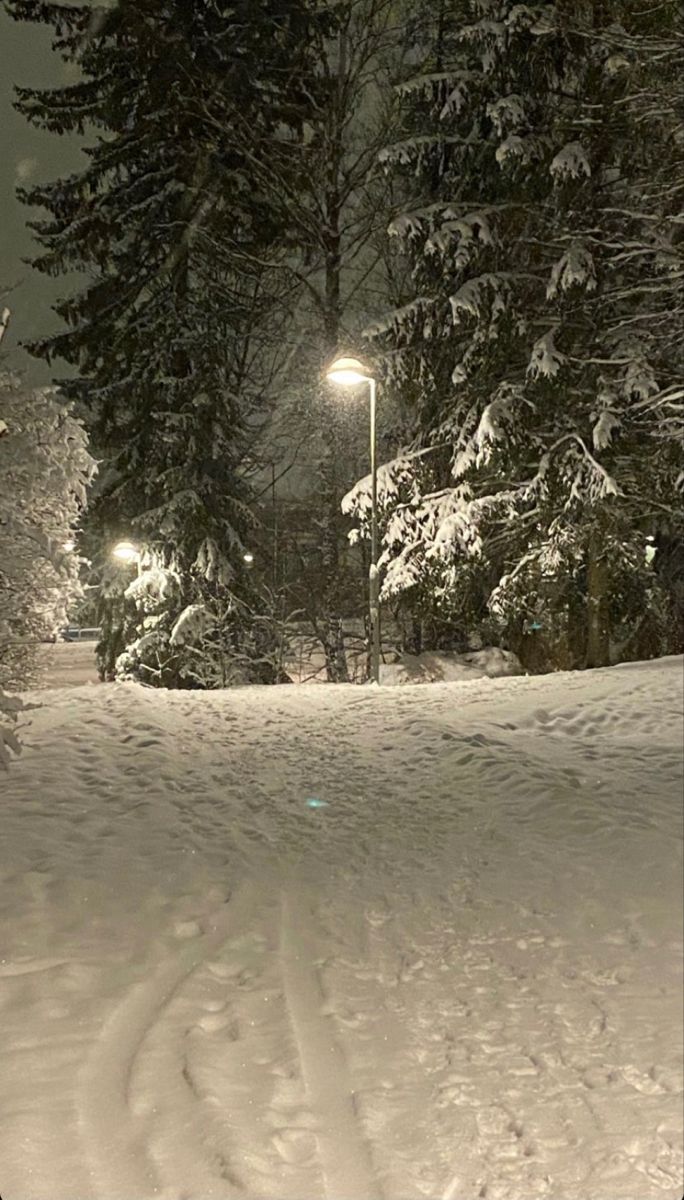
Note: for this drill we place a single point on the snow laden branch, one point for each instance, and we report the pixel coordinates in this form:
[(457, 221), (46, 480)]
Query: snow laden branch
[(391, 476)]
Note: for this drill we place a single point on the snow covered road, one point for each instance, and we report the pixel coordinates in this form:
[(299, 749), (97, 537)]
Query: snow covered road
[(457, 975)]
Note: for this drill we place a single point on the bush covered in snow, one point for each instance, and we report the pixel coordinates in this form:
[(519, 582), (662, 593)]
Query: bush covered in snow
[(175, 632)]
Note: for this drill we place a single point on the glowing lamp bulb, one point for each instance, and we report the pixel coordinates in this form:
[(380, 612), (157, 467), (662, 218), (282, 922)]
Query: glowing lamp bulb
[(126, 552), (348, 371)]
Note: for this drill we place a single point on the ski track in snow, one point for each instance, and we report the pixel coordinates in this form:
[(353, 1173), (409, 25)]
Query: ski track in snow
[(345, 1159), (458, 980), (111, 1133)]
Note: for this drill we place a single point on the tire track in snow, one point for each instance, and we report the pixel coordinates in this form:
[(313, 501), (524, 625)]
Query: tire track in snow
[(32, 966), (343, 1151), (114, 1137)]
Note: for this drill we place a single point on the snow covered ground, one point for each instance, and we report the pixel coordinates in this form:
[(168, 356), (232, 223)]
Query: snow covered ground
[(346, 943)]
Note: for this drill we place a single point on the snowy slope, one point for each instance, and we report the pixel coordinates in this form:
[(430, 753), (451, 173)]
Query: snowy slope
[(458, 976)]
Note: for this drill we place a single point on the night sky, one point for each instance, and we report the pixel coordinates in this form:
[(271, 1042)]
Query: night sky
[(26, 155)]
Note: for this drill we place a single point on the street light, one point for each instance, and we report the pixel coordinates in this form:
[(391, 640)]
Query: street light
[(349, 372)]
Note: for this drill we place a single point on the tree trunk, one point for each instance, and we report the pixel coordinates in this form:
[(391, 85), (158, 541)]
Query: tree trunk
[(577, 629), (336, 666), (598, 621), (412, 635)]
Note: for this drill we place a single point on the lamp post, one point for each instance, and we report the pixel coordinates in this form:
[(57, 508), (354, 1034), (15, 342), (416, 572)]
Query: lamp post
[(349, 372)]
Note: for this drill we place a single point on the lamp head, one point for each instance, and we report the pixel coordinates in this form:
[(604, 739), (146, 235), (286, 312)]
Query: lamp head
[(126, 552), (348, 371)]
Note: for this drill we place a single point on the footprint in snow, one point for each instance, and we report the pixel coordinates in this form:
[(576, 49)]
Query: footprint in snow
[(214, 1006), (219, 1023), (295, 1145), (186, 929)]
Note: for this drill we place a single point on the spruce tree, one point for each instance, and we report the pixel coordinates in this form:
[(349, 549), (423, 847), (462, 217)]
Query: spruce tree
[(177, 235), (540, 346)]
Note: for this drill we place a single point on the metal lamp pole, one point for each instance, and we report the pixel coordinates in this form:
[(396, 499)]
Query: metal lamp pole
[(374, 575)]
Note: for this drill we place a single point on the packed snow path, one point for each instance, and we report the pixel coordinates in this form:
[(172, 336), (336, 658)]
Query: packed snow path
[(456, 975)]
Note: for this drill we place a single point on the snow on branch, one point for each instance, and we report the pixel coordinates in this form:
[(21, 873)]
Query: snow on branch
[(456, 528), (472, 294), (608, 423), (546, 360), (640, 381), (570, 163), (497, 598), (604, 483), (406, 151), (391, 476), (403, 572), (408, 225), (575, 267), (467, 229), (191, 626), (670, 396), (399, 318), (507, 113), (431, 79)]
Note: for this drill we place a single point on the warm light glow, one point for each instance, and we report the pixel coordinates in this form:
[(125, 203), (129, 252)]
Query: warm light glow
[(126, 552), (348, 371), (248, 558)]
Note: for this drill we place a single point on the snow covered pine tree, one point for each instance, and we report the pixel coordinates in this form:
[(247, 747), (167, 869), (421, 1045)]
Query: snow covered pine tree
[(541, 347), (179, 102)]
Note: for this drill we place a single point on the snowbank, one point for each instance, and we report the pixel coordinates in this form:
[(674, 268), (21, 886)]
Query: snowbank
[(490, 663)]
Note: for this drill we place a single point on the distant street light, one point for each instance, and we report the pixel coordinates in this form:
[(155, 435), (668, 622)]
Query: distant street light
[(349, 372), (126, 552), (248, 559)]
